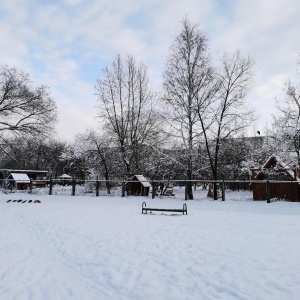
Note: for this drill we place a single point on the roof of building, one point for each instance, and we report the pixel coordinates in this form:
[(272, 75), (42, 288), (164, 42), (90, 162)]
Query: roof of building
[(143, 180), (65, 176), (24, 171), (280, 165), (20, 178)]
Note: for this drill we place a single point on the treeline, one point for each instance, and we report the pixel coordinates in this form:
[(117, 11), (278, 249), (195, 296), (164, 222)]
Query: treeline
[(194, 127), (90, 156)]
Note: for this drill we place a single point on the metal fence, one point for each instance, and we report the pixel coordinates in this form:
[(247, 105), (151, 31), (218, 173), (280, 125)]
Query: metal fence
[(117, 187)]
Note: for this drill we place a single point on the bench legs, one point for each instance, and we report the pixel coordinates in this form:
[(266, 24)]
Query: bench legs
[(143, 207)]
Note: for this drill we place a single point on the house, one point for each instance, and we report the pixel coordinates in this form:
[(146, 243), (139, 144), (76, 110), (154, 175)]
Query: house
[(138, 186), (19, 180), (284, 180)]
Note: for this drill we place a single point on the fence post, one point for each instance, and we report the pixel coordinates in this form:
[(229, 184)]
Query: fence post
[(223, 190), (97, 187), (73, 186), (268, 191), (123, 189), (30, 186), (185, 190), (50, 186)]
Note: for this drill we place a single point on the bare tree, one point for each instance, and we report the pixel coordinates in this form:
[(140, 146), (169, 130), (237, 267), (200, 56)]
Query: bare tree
[(34, 153), (228, 113), (189, 86), (126, 109), (286, 125), (24, 109), (98, 151)]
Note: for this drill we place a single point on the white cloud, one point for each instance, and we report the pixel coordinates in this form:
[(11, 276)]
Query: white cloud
[(56, 42), (73, 2)]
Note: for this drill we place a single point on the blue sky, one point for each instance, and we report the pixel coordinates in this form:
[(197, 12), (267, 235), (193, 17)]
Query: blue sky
[(65, 44)]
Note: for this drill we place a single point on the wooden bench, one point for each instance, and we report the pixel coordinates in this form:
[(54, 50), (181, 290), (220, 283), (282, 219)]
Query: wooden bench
[(146, 209)]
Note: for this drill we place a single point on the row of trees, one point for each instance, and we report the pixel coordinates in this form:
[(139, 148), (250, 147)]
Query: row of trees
[(201, 103), (92, 156), (286, 125), (193, 128), (206, 101)]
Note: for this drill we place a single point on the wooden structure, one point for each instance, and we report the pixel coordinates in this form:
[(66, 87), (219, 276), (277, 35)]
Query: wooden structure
[(21, 178), (165, 189), (138, 186), (19, 181), (284, 181), (168, 191), (33, 174), (210, 192)]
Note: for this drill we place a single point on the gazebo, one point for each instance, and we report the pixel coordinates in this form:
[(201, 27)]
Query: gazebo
[(65, 177)]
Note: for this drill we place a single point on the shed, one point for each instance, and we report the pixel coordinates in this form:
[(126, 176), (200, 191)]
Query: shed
[(285, 185), (20, 180), (138, 186), (33, 174)]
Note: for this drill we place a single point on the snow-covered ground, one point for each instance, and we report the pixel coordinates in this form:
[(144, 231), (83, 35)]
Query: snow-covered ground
[(87, 247)]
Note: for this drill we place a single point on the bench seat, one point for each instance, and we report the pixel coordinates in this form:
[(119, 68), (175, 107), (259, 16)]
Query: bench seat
[(146, 209)]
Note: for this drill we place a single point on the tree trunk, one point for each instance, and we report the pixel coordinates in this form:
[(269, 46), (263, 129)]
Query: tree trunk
[(189, 185)]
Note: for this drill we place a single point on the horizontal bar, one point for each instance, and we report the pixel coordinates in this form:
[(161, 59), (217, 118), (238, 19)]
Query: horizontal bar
[(154, 181), (164, 209)]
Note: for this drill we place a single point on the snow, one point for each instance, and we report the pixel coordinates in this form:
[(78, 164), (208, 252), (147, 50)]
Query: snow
[(65, 176), (87, 247), (20, 177), (143, 180)]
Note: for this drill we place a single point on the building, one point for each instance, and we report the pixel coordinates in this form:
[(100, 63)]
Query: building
[(18, 180), (138, 186), (32, 174), (21, 178), (284, 181)]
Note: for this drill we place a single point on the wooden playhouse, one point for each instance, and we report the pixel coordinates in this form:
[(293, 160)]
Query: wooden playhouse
[(19, 180), (138, 185)]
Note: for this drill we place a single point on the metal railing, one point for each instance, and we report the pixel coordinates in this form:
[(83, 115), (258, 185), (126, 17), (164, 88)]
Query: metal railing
[(96, 185)]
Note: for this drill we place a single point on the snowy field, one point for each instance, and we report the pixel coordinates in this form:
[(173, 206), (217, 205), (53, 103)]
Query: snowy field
[(85, 247)]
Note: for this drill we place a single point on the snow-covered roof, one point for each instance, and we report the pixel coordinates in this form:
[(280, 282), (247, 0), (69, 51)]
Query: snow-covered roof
[(20, 177), (143, 180), (65, 176), (283, 165)]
